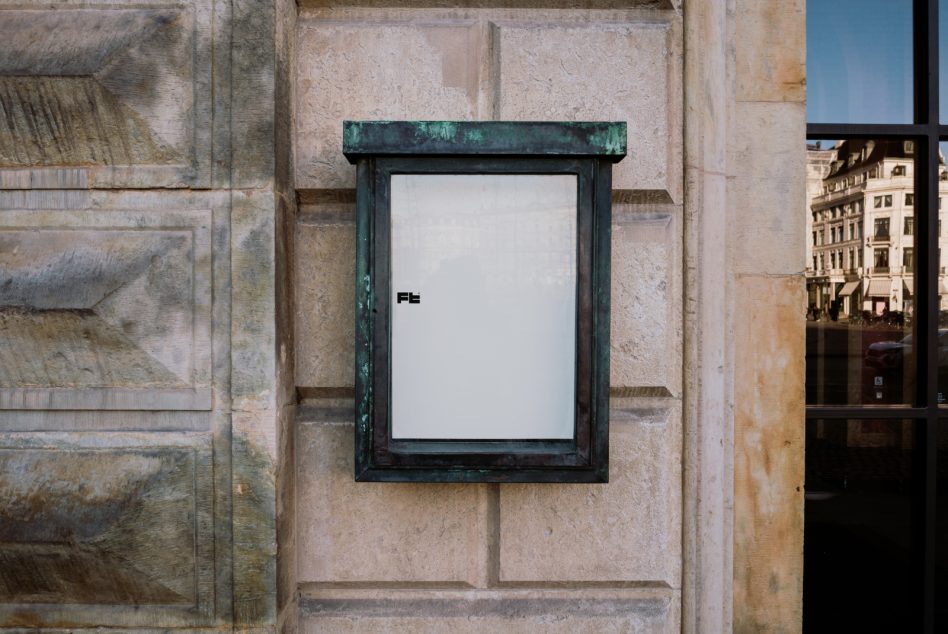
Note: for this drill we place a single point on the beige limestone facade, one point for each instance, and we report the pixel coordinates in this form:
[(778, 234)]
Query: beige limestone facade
[(177, 249)]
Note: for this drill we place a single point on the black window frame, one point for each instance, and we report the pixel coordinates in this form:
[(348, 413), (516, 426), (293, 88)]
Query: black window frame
[(925, 132)]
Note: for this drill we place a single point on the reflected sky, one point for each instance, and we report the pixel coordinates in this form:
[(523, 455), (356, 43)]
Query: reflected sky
[(943, 61), (859, 61)]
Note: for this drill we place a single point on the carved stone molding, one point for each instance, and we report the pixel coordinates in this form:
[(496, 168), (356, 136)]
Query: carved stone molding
[(104, 97), (105, 310)]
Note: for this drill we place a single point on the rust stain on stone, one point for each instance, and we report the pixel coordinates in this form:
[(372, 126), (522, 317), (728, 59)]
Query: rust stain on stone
[(768, 454), (771, 63)]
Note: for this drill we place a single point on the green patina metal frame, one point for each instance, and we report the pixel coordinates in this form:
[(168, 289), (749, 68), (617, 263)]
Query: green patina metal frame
[(381, 148)]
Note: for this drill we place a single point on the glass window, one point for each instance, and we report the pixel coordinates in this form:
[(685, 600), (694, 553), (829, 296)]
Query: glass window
[(862, 548), (859, 61), (880, 228), (518, 232), (941, 530), (859, 326), (859, 525), (880, 260), (943, 60)]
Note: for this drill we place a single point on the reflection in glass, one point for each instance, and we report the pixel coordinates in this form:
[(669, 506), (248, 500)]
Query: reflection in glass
[(859, 61), (943, 61), (942, 350), (858, 526), (860, 218)]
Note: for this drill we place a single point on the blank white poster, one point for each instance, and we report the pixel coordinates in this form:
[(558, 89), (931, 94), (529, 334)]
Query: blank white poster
[(483, 306)]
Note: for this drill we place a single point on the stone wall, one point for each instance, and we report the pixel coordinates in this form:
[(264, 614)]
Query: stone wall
[(529, 557), (140, 380), (767, 207)]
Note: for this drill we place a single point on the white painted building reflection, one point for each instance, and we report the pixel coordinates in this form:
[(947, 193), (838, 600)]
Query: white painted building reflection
[(860, 230)]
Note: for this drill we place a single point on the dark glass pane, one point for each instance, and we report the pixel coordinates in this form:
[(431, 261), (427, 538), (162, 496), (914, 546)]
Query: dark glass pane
[(858, 527), (859, 61), (860, 226), (941, 530)]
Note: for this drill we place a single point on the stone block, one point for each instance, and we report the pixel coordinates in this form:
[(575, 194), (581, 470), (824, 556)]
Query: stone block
[(254, 103), (646, 330), (768, 451), (378, 70), (575, 71), (767, 190), (253, 306), (106, 420), (105, 310), (108, 96), (770, 42), (493, 4), (381, 532), (253, 524), (626, 530), (510, 611), (325, 302), (88, 525)]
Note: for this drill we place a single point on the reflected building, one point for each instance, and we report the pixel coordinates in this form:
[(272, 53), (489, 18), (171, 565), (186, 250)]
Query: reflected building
[(819, 160), (861, 226)]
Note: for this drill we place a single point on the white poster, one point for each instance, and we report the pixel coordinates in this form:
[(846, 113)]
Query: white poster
[(483, 306)]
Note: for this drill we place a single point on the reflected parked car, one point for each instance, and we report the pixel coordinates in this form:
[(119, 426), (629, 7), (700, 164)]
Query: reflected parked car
[(886, 363), (888, 355)]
